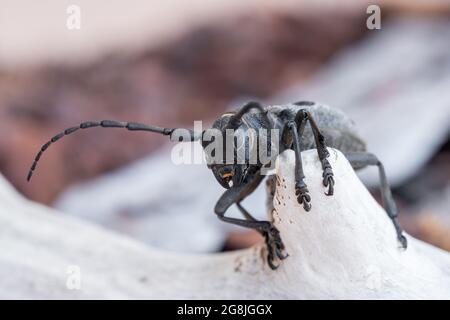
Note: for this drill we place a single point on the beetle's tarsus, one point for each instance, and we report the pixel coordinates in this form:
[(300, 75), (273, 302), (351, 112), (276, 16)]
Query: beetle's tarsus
[(328, 181), (303, 197), (280, 254), (401, 238), (270, 262), (403, 241), (328, 176), (274, 246), (305, 200)]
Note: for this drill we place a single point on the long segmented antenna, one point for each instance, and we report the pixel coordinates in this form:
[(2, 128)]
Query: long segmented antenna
[(132, 126), (236, 118)]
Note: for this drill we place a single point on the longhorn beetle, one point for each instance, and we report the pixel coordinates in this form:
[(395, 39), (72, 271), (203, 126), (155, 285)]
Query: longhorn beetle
[(327, 127)]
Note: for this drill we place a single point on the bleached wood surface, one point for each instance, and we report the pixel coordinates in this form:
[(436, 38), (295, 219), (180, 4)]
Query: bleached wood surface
[(345, 247)]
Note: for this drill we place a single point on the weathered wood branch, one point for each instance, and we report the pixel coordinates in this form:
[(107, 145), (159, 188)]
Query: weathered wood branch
[(345, 247)]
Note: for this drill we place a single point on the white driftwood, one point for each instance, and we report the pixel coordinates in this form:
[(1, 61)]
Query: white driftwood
[(345, 247)]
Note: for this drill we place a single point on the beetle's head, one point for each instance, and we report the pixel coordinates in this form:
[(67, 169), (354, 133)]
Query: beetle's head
[(228, 172), (225, 152)]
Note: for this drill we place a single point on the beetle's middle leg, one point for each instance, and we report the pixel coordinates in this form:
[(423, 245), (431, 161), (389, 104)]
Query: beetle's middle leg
[(301, 190), (328, 178), (235, 195)]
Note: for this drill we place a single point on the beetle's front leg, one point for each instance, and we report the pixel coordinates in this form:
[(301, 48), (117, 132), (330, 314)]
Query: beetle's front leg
[(301, 190), (271, 234), (328, 177)]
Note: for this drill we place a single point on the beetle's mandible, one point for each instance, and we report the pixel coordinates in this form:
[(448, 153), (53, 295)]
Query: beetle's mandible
[(302, 125)]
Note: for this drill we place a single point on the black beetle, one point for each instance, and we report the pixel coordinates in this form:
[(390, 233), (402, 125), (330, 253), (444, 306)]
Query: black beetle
[(327, 127)]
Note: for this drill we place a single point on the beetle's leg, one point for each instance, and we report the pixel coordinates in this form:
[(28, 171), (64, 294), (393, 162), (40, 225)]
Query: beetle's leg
[(271, 234), (270, 185), (362, 159), (328, 180), (245, 213), (271, 188), (273, 244), (301, 190)]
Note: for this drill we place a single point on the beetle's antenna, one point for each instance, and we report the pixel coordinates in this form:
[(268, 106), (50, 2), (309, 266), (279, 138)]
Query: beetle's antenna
[(236, 118), (132, 126)]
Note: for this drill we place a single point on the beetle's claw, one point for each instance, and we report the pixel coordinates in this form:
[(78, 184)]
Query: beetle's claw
[(306, 205), (275, 247), (303, 197), (328, 181), (403, 241), (270, 262), (281, 255)]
